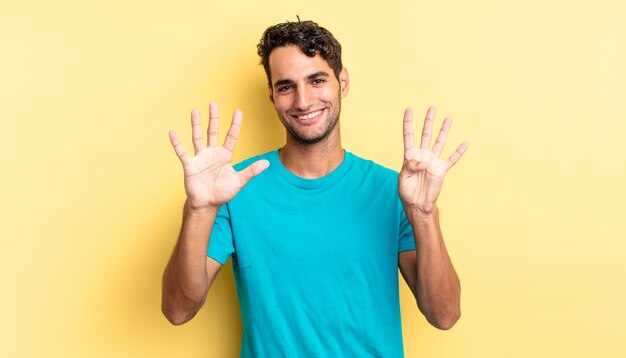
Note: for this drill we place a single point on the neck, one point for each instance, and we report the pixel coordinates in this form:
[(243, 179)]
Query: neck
[(315, 160)]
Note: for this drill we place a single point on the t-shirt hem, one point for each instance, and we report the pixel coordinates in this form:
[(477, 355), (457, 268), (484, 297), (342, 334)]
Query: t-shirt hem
[(221, 260)]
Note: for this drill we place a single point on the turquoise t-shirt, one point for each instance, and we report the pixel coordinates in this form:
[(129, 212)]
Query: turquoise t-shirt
[(316, 260)]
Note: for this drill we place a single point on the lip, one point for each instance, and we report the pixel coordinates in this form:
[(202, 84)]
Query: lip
[(309, 117)]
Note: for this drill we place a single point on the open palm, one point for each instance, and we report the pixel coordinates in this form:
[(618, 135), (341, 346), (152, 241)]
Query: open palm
[(210, 179), (422, 174)]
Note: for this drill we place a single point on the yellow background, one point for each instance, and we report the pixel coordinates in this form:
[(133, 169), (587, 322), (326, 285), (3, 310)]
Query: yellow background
[(533, 215)]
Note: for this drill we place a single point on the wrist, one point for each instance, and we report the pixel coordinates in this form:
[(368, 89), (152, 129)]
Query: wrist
[(200, 210), (419, 215)]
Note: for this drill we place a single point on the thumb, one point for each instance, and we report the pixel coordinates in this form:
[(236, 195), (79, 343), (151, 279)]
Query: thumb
[(253, 170), (412, 166)]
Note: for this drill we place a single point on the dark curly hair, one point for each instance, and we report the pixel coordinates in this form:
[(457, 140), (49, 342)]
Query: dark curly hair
[(308, 36)]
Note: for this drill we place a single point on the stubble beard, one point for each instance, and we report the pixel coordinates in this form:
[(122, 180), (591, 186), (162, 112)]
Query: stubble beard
[(300, 138)]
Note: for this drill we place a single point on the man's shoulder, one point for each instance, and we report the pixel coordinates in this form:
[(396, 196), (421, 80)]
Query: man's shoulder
[(370, 166)]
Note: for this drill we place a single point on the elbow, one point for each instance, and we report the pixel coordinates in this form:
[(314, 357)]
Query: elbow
[(180, 310), (176, 316), (446, 321)]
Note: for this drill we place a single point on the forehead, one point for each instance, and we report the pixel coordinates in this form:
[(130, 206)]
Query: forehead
[(289, 63)]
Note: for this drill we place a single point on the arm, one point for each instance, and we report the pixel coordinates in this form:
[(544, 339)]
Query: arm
[(428, 270), (189, 272), (210, 181)]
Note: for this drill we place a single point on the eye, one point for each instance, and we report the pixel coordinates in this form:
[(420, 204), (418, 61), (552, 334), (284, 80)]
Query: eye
[(284, 89), (318, 81)]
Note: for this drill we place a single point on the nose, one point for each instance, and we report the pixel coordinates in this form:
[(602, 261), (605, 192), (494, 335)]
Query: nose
[(302, 101)]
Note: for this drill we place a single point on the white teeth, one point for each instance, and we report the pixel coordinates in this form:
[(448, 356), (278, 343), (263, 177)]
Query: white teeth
[(310, 115)]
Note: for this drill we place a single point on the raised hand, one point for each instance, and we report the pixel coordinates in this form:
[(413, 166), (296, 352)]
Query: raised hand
[(210, 179), (422, 174)]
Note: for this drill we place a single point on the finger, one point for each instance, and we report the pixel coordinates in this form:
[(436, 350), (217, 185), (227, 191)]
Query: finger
[(427, 130), (455, 156), (407, 129), (212, 130), (178, 148), (253, 170), (233, 132), (196, 131), (441, 138)]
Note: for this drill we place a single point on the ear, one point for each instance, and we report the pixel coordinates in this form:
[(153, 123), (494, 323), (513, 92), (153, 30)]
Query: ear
[(344, 82), (270, 93)]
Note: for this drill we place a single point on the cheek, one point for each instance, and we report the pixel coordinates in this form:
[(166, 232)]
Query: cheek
[(333, 92), (327, 94), (281, 102)]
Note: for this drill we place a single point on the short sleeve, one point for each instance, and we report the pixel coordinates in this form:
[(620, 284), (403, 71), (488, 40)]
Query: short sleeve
[(221, 245), (406, 241)]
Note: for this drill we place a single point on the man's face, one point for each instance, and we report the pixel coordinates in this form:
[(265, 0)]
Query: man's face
[(306, 94)]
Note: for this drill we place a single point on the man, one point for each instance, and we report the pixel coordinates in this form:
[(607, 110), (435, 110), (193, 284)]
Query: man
[(317, 237)]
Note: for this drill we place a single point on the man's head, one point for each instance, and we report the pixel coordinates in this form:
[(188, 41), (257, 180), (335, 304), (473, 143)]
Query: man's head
[(306, 80), (308, 36)]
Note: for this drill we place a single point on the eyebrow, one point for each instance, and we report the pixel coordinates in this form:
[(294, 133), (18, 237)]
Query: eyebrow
[(317, 75), (312, 76), (283, 82)]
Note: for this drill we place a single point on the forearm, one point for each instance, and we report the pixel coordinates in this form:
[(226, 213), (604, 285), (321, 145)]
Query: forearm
[(185, 280), (438, 289)]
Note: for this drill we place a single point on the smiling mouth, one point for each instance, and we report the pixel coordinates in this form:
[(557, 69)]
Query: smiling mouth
[(309, 116)]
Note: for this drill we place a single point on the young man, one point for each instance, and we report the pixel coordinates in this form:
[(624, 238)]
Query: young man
[(316, 239)]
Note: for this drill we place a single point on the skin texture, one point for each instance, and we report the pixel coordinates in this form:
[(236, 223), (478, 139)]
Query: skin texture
[(434, 282), (303, 85), (307, 98), (210, 181)]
